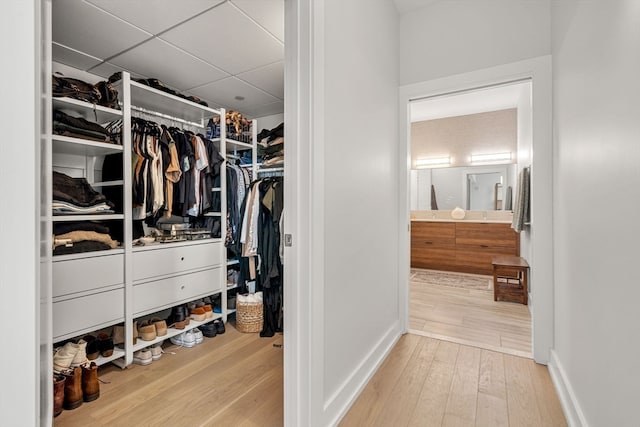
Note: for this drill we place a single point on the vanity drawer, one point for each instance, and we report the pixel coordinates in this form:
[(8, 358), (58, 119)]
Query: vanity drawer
[(159, 294), (75, 316), (86, 274), (433, 234), (435, 259), (164, 261), (485, 235)]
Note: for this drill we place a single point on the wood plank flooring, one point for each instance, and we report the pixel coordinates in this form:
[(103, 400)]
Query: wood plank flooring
[(471, 317), (232, 379), (428, 382)]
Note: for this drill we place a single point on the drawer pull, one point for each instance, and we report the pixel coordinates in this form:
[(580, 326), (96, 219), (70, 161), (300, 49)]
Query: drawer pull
[(428, 243), (484, 246)]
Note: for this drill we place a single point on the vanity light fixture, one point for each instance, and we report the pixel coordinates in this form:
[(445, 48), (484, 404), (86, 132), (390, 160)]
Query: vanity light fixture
[(494, 157), (433, 162)]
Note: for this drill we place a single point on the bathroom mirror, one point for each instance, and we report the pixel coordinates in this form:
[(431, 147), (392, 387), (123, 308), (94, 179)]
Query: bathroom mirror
[(469, 187)]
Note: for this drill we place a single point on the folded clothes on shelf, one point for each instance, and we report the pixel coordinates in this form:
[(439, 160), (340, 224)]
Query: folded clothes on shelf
[(78, 127), (76, 191)]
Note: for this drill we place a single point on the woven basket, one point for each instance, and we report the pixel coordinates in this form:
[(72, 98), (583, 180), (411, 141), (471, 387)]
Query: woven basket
[(249, 316)]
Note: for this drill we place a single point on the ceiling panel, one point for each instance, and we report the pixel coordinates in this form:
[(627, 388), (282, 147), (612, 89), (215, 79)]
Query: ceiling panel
[(87, 29), (106, 69), (73, 58), (223, 92), (264, 110), (155, 16), (268, 13), (269, 78), (241, 45), (172, 66)]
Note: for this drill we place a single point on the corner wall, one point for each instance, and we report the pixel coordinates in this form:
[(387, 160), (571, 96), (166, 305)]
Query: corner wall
[(597, 157)]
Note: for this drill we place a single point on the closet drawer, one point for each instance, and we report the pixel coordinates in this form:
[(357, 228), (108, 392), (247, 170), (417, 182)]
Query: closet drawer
[(74, 316), (85, 274), (164, 261), (163, 293)]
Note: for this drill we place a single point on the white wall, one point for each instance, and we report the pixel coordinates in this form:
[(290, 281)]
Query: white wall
[(359, 188), (19, 296), (451, 37), (525, 148), (269, 122), (597, 158)]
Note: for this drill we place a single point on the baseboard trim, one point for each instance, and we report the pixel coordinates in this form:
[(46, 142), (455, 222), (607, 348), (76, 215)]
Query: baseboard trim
[(337, 406), (570, 406)]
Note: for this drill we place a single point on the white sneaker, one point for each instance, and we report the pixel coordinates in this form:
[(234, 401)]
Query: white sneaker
[(185, 339), (197, 333), (156, 351), (143, 357), (64, 356)]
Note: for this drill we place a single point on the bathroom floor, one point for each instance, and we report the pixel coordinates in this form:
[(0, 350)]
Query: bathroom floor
[(458, 307)]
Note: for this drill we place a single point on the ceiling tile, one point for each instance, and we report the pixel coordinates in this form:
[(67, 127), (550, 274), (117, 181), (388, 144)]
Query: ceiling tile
[(269, 78), (223, 92), (265, 110), (161, 15), (64, 55), (233, 42), (172, 66), (87, 29), (268, 13)]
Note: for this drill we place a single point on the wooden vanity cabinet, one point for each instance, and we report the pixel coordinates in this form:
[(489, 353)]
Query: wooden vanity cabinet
[(466, 247)]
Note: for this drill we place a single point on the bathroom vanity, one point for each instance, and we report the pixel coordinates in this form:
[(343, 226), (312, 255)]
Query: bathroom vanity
[(466, 245)]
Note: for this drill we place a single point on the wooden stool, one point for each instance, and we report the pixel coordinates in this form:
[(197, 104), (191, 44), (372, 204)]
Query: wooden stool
[(510, 278)]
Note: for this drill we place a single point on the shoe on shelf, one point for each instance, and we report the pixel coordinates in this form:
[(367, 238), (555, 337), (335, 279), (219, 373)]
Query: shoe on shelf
[(63, 357), (105, 345), (160, 325), (147, 331), (208, 330), (219, 324), (156, 351), (197, 333), (73, 389), (93, 350), (143, 357), (198, 314), (90, 383), (185, 339), (208, 311), (80, 357), (118, 335), (179, 317)]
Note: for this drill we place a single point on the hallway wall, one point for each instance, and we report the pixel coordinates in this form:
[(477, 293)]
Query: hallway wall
[(596, 127), (452, 37)]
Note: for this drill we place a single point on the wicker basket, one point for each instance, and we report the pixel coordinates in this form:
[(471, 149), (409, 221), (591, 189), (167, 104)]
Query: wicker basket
[(249, 316)]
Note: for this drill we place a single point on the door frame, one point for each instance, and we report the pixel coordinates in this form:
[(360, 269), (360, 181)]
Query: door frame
[(538, 71)]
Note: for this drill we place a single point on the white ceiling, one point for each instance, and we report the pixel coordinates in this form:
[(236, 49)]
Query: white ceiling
[(214, 49), (472, 102), (405, 6)]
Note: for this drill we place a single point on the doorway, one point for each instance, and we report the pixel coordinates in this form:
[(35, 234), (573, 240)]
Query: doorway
[(536, 243), (451, 296)]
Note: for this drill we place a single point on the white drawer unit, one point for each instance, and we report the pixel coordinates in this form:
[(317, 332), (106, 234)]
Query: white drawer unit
[(86, 274), (170, 260), (75, 316), (159, 294)]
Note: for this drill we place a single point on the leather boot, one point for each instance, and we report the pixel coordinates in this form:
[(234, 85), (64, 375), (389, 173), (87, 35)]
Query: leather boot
[(73, 389), (58, 394), (90, 383)]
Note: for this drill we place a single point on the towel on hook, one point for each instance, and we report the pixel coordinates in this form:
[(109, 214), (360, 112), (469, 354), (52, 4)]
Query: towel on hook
[(508, 199), (521, 208), (434, 203)]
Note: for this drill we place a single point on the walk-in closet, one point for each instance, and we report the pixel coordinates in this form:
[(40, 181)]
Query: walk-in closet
[(164, 168)]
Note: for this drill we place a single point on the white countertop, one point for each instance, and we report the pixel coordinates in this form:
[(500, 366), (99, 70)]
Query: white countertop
[(489, 221)]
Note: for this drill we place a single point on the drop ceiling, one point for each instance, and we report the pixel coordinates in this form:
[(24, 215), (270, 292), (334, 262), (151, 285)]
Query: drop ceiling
[(228, 53)]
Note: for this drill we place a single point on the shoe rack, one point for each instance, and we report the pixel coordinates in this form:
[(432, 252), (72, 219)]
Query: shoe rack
[(94, 291)]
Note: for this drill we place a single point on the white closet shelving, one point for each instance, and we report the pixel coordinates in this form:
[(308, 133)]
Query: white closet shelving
[(93, 291)]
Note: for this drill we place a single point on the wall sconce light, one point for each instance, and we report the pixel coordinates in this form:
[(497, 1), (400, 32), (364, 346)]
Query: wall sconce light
[(494, 157), (433, 162)]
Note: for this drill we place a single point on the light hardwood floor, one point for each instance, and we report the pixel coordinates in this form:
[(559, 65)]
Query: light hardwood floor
[(429, 382), (470, 316), (233, 379)]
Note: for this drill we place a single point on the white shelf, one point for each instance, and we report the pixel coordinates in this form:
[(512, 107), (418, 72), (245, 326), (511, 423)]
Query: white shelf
[(216, 189), (83, 147), (107, 183), (75, 217), (117, 354), (156, 246), (86, 110), (231, 311), (229, 288), (233, 262), (152, 101), (213, 214), (82, 255), (172, 332), (235, 145)]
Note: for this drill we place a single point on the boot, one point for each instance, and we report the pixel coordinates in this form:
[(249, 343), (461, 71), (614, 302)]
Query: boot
[(73, 389), (90, 383), (58, 394)]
